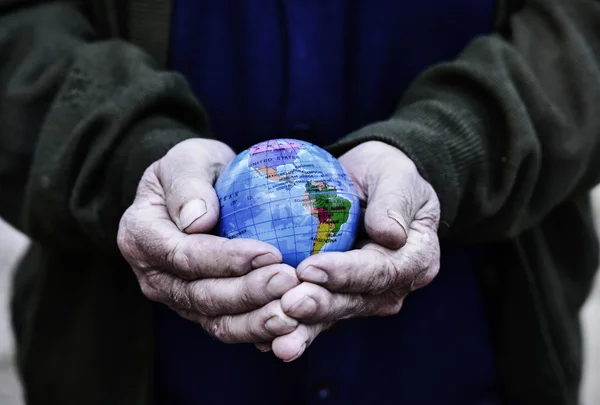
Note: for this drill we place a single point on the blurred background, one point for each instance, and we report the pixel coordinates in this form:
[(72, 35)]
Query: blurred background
[(12, 245)]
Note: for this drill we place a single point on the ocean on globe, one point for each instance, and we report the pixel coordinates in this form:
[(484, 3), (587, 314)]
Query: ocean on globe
[(291, 194)]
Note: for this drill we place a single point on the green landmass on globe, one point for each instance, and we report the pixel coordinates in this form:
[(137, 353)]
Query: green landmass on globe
[(331, 210), (291, 194)]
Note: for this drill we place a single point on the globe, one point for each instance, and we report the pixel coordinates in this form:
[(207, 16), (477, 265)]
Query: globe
[(291, 194)]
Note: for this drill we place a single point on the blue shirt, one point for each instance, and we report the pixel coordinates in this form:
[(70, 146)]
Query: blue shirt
[(316, 70)]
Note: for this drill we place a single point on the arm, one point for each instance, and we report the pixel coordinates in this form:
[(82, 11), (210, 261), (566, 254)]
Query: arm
[(82, 122), (511, 128), (81, 119), (503, 134)]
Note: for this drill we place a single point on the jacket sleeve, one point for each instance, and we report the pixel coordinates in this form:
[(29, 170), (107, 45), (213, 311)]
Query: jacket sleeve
[(81, 118), (510, 129)]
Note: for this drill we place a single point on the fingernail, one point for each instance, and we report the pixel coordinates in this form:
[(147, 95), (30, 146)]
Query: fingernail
[(280, 283), (190, 212), (314, 275), (395, 215), (302, 348), (263, 347), (306, 307), (278, 326), (264, 260)]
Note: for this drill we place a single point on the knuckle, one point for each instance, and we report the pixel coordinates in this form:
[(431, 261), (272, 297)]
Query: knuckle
[(429, 219), (418, 263), (254, 289), (170, 257), (426, 276), (206, 247), (140, 244), (430, 213), (390, 309), (177, 258), (184, 260), (428, 263), (412, 265), (178, 295), (378, 281), (385, 274), (150, 184), (247, 300), (338, 264), (150, 291), (201, 300), (220, 329), (255, 329), (391, 305), (127, 241), (123, 232), (223, 257), (234, 256), (359, 307)]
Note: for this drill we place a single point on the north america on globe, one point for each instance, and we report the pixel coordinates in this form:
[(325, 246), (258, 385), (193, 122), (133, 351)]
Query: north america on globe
[(291, 194)]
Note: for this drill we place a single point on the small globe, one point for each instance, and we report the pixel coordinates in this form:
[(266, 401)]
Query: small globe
[(291, 194)]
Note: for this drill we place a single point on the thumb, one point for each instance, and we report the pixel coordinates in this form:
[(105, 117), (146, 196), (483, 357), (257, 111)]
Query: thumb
[(193, 205), (389, 213), (187, 173), (389, 182)]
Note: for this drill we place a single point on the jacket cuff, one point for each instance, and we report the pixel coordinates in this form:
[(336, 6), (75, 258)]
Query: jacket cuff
[(425, 138), (146, 143)]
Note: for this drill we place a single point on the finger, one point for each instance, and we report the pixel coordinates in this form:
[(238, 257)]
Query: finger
[(374, 269), (221, 296), (187, 174), (151, 242), (310, 303), (258, 326), (370, 270), (393, 195), (204, 256), (392, 204), (148, 239), (263, 347), (291, 346)]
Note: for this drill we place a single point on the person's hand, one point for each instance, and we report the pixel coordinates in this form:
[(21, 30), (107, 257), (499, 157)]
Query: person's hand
[(403, 253), (231, 287)]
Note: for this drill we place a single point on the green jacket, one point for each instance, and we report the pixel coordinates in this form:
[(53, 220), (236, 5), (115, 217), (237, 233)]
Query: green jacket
[(507, 134)]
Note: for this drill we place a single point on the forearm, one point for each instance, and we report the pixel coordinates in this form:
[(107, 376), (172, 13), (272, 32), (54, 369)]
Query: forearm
[(510, 129), (82, 119)]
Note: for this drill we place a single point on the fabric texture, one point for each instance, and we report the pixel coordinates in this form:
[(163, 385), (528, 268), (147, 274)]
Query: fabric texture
[(435, 351), (507, 133), (316, 71)]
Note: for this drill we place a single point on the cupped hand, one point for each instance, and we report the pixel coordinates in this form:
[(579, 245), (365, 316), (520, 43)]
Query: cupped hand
[(402, 252), (231, 287)]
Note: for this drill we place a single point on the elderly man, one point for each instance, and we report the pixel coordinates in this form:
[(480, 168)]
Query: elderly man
[(473, 124)]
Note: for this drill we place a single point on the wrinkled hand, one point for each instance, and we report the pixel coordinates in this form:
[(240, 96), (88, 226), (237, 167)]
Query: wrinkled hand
[(231, 287), (401, 219)]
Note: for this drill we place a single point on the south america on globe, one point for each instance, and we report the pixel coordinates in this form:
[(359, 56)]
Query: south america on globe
[(291, 194)]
